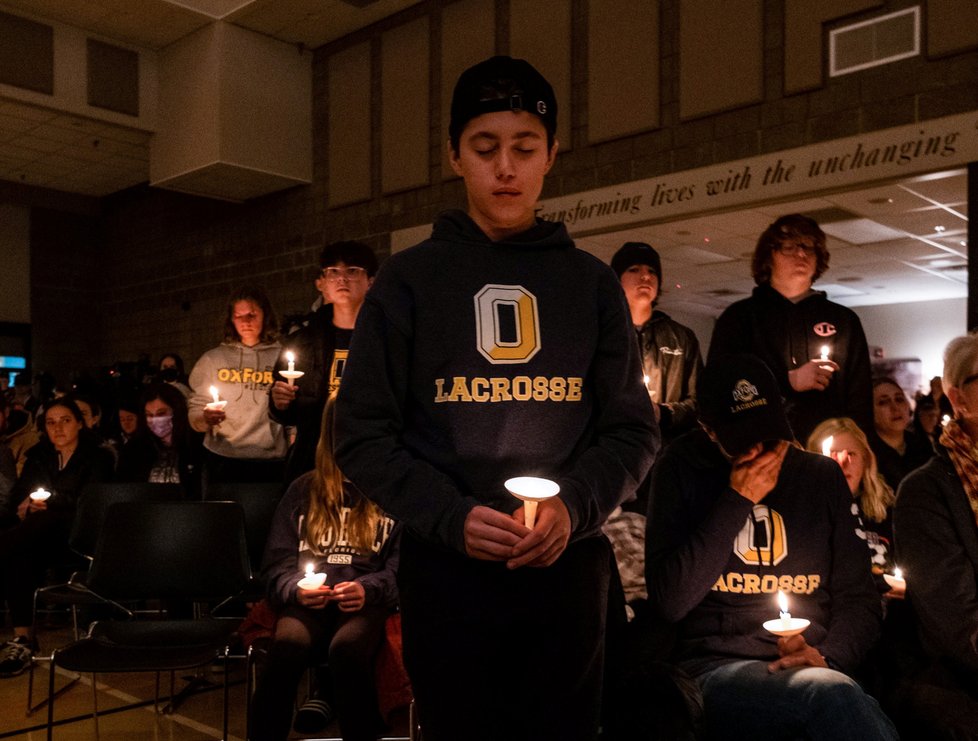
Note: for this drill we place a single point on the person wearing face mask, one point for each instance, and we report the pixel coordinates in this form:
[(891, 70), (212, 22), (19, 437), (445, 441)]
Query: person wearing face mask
[(172, 372), (165, 449)]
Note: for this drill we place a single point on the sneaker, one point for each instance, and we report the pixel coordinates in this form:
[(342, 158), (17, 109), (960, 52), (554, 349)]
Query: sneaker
[(312, 717), (15, 657)]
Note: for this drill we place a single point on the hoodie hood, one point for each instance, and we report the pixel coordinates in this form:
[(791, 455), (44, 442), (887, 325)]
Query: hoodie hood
[(457, 226)]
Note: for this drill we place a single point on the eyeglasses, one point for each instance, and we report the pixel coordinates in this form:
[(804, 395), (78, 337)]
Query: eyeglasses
[(351, 274), (789, 248)]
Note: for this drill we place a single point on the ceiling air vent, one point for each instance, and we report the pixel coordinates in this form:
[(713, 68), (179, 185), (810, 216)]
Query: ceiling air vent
[(871, 43)]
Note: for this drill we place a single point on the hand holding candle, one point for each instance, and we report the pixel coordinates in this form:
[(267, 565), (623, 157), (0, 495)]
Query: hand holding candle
[(40, 495), (312, 580), (290, 374), (785, 625), (896, 580), (531, 490)]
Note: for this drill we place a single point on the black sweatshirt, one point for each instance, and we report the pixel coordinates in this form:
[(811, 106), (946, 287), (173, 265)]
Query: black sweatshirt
[(786, 335), (474, 361), (706, 572)]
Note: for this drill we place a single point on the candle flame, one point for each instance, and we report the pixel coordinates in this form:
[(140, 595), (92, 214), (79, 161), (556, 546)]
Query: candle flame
[(645, 379), (898, 573), (309, 567), (290, 356), (825, 352), (217, 396), (782, 602), (945, 419), (827, 445)]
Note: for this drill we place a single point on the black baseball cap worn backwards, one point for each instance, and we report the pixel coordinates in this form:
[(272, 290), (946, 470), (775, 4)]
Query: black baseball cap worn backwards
[(740, 401), (501, 84)]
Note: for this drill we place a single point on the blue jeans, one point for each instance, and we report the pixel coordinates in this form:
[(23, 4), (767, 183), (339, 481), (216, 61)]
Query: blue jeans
[(743, 700)]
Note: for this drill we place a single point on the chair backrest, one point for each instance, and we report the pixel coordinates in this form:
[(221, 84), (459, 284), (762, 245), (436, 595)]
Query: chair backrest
[(171, 550), (259, 501), (96, 499)]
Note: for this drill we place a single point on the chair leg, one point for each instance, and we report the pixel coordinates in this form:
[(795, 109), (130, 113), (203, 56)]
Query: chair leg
[(227, 687), (51, 699), (95, 705)]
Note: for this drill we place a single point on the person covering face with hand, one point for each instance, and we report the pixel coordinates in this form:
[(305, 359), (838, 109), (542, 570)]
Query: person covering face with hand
[(738, 513)]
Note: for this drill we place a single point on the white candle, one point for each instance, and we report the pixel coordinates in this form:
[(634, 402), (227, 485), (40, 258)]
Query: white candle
[(825, 352), (531, 490), (290, 356), (312, 580), (783, 607), (898, 573), (40, 495), (215, 395), (896, 580), (290, 373), (827, 446)]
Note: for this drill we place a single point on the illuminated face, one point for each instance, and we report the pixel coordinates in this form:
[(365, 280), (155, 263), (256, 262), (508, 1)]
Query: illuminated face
[(62, 428), (248, 319), (344, 285), (503, 158), (849, 454), (891, 409), (641, 284), (794, 261)]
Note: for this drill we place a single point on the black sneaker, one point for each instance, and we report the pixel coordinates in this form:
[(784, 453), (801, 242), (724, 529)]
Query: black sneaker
[(15, 657), (312, 717)]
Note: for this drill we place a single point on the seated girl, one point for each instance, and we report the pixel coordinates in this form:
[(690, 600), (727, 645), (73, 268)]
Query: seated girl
[(325, 524)]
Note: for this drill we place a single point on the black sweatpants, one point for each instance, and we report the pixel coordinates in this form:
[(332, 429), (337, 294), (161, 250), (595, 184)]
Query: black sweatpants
[(499, 654)]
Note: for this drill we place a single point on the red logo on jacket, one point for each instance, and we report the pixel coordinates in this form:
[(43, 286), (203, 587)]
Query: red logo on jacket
[(824, 329)]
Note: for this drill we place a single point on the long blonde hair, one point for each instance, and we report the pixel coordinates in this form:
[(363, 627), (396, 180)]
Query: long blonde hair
[(326, 497), (875, 495)]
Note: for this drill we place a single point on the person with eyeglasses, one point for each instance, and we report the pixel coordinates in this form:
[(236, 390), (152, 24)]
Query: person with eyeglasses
[(320, 347), (816, 348), (241, 443)]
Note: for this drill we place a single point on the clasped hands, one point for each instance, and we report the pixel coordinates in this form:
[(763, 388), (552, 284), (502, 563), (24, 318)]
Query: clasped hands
[(491, 535), (349, 596), (795, 651)]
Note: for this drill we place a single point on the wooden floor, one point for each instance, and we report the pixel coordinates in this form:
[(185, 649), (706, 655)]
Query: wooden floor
[(196, 718)]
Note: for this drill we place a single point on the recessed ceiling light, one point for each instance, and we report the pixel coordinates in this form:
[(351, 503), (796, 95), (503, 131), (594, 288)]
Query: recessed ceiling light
[(939, 228)]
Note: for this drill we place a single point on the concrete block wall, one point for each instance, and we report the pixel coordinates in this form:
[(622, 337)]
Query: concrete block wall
[(165, 263)]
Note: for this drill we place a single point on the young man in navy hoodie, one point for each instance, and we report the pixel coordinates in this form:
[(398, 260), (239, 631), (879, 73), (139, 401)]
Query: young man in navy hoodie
[(737, 514), (496, 349)]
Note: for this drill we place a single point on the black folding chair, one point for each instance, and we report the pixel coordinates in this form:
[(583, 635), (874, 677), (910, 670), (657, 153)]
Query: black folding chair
[(175, 552), (93, 503)]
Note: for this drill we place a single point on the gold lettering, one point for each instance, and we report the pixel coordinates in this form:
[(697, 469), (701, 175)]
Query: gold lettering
[(558, 388), (247, 375), (540, 388), (459, 390), (574, 389), (522, 388), (752, 584), (720, 586), (480, 383), (500, 389), (813, 581), (267, 378), (223, 375), (769, 583), (784, 583), (801, 584), (440, 395), (736, 583)]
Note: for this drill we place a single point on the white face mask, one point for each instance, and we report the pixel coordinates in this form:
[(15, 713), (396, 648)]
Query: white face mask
[(162, 427)]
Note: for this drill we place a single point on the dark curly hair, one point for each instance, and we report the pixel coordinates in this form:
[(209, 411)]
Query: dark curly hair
[(790, 227)]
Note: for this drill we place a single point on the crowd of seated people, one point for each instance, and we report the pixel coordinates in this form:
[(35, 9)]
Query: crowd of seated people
[(909, 485)]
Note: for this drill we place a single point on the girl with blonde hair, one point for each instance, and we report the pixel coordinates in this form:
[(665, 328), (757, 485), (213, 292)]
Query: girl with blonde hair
[(843, 440), (324, 524)]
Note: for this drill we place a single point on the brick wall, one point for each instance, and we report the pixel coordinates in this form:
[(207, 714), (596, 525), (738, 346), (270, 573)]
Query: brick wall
[(165, 263)]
